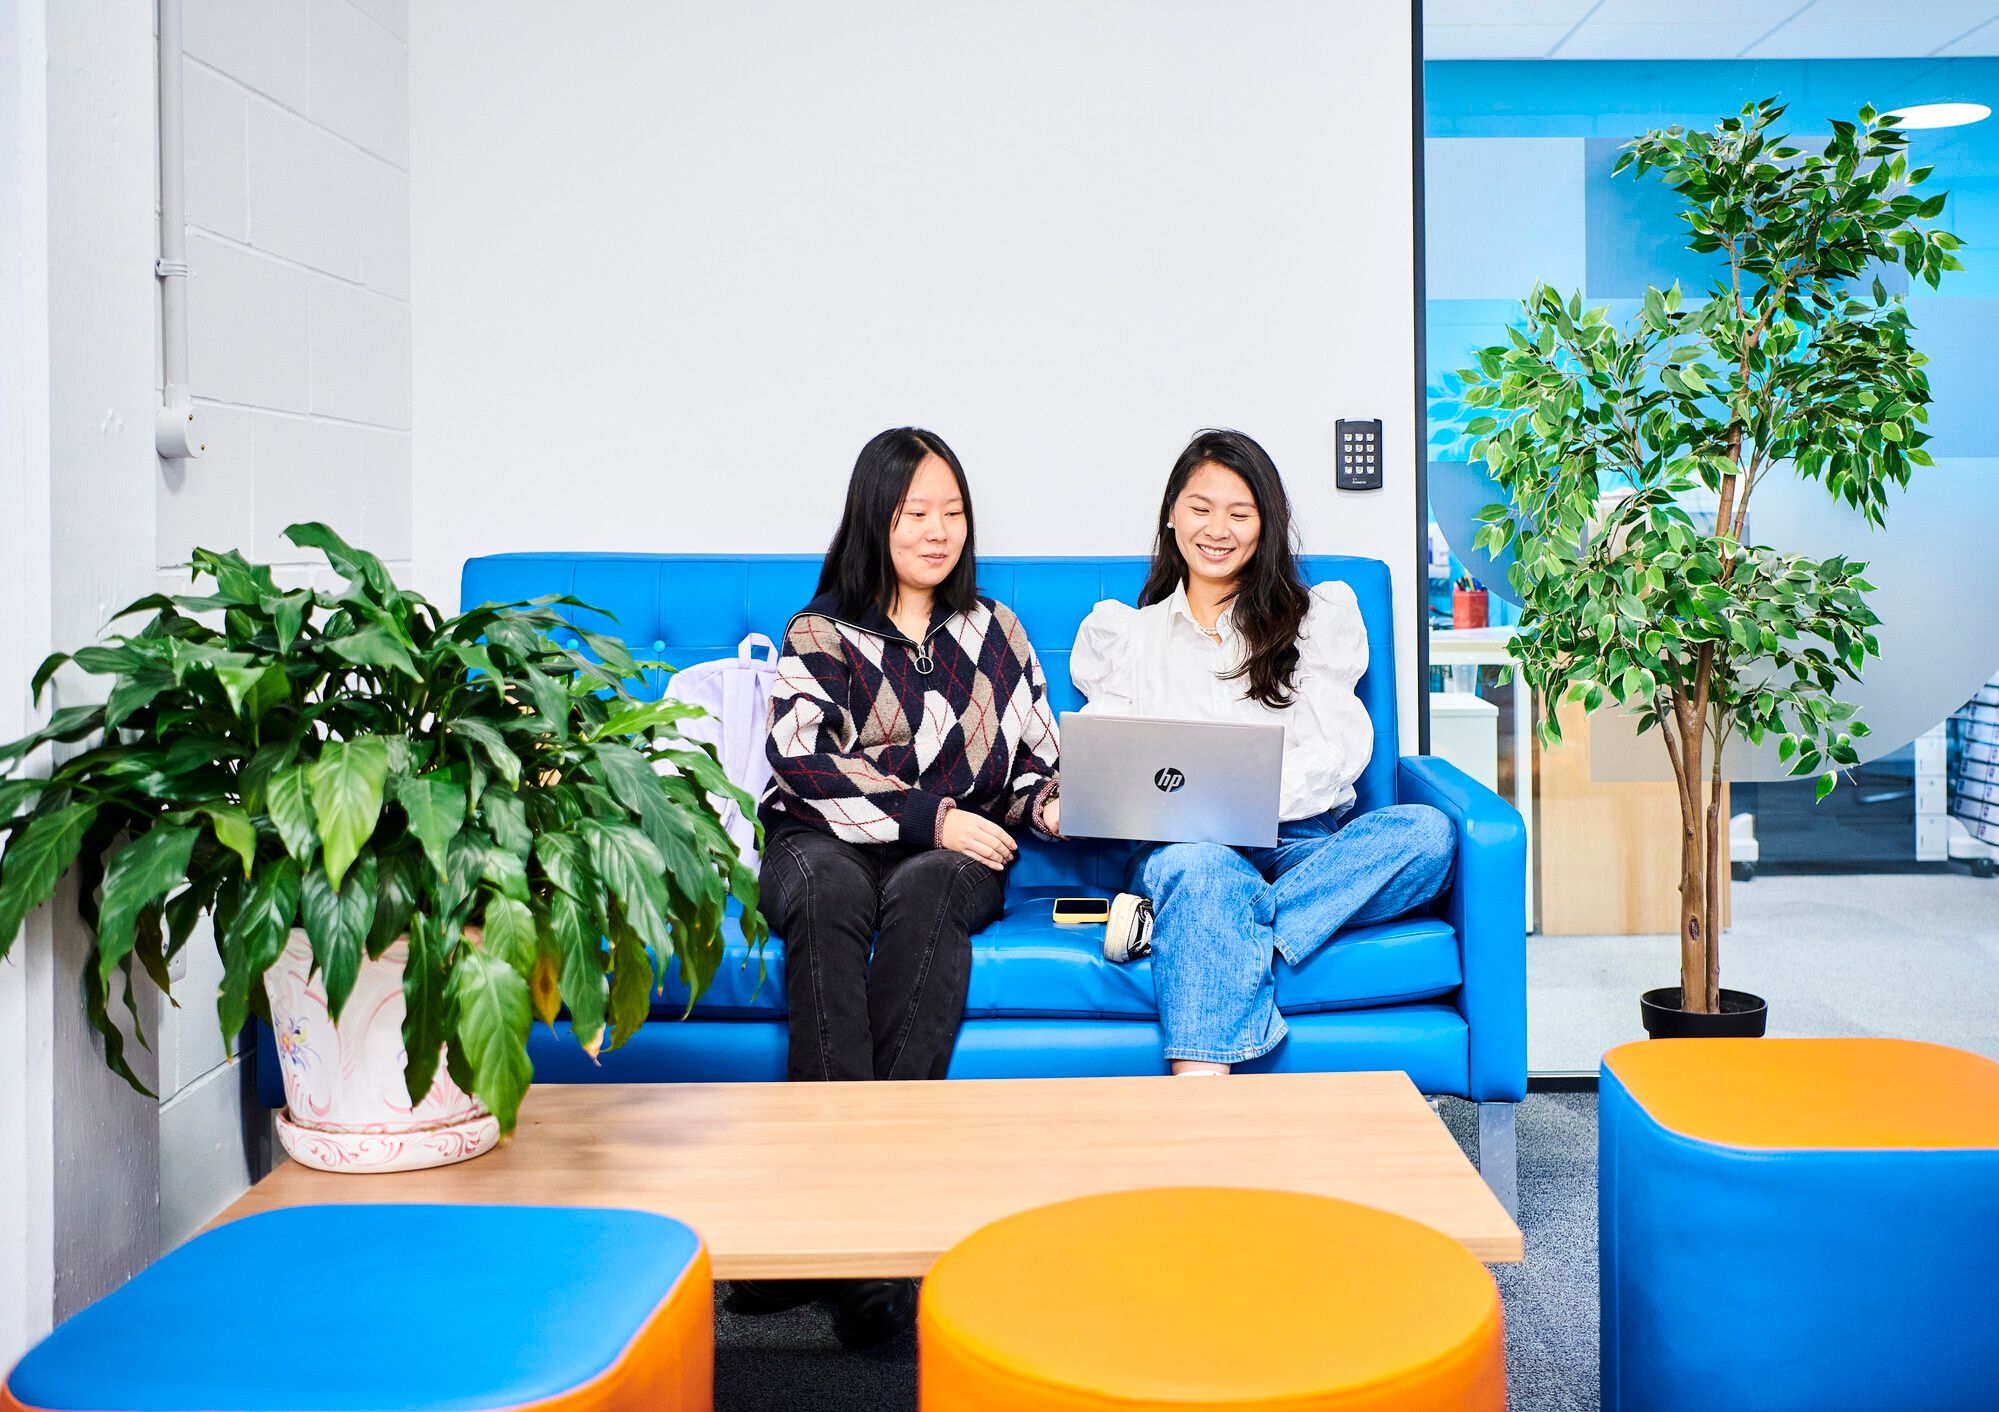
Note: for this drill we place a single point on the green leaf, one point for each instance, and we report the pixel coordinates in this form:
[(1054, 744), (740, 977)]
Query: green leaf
[(551, 700), (436, 811), (42, 851), (506, 818), (510, 932), (565, 858), (70, 723), (374, 646), (639, 788), (234, 831), (630, 868), (354, 563), (15, 793), (96, 996), (346, 784), (399, 883), (631, 982), (492, 745), (1824, 786), (703, 768), (576, 937), (631, 720), (253, 689), (139, 875), (51, 664), (337, 924), (288, 801), (493, 1020), (254, 938), (287, 612), (425, 1012), (134, 693)]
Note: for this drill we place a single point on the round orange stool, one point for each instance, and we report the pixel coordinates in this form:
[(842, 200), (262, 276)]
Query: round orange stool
[(1146, 1301)]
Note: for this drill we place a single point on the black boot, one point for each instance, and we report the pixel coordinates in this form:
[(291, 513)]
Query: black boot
[(870, 1311)]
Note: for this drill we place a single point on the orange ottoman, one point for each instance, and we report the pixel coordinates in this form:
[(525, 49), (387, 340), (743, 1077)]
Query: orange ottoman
[(1145, 1301)]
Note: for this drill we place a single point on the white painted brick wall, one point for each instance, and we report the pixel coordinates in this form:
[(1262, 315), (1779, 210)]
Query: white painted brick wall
[(360, 80), (265, 45), (297, 134), (360, 355), (248, 336), (304, 186), (298, 206), (218, 121)]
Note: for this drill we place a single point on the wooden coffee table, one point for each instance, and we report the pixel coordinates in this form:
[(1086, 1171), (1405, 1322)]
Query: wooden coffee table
[(881, 1178)]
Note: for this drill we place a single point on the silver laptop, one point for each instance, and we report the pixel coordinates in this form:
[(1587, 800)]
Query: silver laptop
[(1171, 781)]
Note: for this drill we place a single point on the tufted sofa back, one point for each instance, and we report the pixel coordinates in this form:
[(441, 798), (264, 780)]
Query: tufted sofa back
[(688, 608)]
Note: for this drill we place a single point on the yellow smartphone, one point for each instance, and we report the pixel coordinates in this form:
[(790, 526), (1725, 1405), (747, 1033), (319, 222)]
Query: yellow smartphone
[(1081, 911)]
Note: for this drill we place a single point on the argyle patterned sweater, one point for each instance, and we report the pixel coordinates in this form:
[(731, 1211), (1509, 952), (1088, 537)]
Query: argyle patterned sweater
[(874, 737)]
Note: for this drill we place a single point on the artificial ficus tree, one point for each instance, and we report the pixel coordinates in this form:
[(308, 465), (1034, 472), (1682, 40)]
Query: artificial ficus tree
[(1630, 455)]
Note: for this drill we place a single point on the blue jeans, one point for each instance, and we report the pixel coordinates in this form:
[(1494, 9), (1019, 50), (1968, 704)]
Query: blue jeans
[(1221, 913)]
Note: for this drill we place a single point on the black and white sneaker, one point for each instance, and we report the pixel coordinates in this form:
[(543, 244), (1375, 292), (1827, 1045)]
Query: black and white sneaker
[(1128, 934)]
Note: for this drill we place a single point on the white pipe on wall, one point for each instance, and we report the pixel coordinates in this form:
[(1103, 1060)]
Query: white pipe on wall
[(174, 431)]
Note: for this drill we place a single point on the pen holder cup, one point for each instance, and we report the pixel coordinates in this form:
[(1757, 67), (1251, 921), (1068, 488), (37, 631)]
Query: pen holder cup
[(1468, 607)]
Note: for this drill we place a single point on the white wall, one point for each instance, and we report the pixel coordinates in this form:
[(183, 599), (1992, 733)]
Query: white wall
[(27, 1068), (298, 236), (673, 263), (90, 531)]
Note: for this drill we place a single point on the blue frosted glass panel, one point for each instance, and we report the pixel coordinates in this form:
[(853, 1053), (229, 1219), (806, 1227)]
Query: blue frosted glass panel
[(1505, 213)]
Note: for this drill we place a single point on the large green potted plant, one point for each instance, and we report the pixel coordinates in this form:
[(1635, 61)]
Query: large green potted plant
[(1630, 455), (430, 830)]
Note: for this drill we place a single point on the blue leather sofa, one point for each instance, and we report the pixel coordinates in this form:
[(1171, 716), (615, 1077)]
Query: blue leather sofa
[(1442, 997)]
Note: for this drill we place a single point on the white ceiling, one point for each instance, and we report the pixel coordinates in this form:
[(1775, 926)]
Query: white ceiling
[(1709, 29)]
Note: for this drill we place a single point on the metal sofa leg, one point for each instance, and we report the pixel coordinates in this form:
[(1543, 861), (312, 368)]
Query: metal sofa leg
[(1496, 1157)]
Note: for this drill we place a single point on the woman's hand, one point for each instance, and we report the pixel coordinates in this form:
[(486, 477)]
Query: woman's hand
[(1051, 816), (977, 837)]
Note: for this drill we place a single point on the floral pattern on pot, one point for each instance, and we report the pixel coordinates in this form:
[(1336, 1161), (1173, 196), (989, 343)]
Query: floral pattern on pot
[(347, 1106)]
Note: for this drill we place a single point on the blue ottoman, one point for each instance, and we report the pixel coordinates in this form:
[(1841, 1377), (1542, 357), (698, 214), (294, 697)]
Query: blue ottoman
[(1798, 1224), (375, 1308)]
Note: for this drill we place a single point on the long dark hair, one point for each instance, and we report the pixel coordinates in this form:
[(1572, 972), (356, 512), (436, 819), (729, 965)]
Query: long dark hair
[(1270, 597), (858, 570)]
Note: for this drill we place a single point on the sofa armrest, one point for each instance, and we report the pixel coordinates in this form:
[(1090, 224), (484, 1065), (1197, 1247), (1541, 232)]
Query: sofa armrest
[(1487, 904)]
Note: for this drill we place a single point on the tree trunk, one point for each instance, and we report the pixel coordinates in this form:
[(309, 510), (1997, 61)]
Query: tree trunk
[(1716, 832), (1696, 938)]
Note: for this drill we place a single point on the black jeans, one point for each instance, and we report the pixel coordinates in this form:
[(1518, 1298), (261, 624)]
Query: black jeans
[(915, 909)]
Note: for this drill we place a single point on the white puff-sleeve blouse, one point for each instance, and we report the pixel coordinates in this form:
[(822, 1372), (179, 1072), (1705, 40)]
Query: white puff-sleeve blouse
[(1156, 661)]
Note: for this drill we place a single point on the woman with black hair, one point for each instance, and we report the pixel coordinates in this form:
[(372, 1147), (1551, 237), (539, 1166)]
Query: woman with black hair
[(909, 731), (1227, 631)]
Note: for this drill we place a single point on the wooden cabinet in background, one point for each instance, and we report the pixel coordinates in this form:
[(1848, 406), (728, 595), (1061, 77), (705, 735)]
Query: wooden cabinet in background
[(1609, 852)]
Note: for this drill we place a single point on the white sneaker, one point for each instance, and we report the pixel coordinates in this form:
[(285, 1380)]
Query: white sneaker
[(1128, 934)]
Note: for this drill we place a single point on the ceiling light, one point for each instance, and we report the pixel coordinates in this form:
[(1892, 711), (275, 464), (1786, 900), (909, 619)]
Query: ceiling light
[(1941, 114)]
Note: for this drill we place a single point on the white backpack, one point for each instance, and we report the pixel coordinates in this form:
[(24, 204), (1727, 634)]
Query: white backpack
[(735, 692)]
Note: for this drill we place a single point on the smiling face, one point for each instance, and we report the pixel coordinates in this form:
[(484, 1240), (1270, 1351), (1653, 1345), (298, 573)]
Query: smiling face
[(1216, 525), (928, 532)]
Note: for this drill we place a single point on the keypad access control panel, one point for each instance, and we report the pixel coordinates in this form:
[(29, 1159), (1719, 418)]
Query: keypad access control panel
[(1358, 448)]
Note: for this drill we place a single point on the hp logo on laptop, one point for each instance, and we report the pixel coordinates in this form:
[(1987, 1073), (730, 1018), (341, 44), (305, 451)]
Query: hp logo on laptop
[(1168, 780)]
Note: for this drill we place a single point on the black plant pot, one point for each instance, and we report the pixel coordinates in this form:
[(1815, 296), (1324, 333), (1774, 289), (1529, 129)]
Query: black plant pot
[(1742, 1016)]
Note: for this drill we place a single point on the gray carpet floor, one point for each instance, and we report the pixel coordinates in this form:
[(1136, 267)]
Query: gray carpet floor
[(784, 1362)]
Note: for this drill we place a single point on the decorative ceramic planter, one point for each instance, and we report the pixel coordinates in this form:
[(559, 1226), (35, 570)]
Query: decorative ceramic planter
[(347, 1107)]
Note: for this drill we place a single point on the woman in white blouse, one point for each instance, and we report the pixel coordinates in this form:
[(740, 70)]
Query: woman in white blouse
[(1227, 631)]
